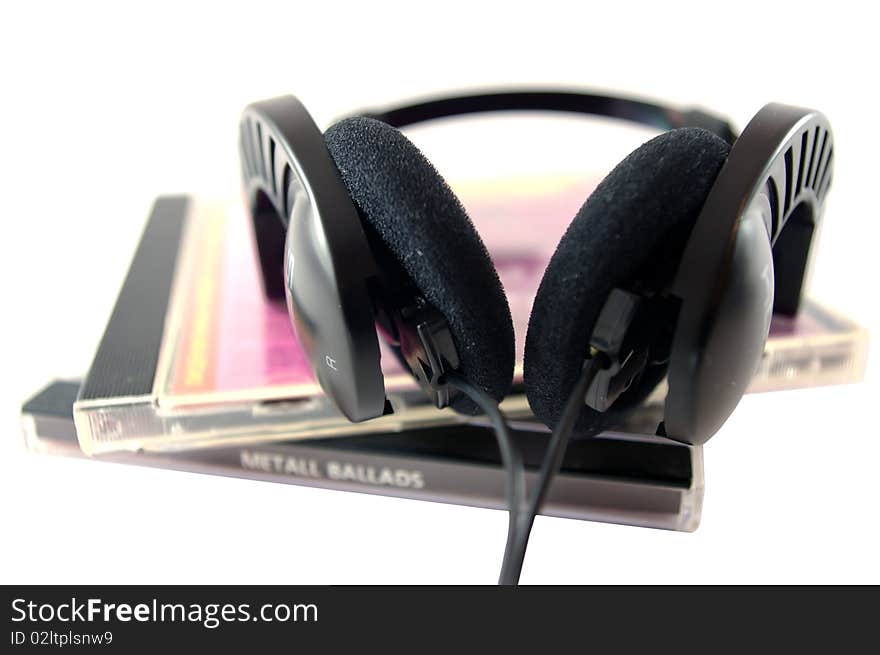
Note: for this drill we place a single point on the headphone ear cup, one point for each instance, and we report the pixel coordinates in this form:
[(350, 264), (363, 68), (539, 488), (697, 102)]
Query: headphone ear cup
[(405, 203), (633, 226)]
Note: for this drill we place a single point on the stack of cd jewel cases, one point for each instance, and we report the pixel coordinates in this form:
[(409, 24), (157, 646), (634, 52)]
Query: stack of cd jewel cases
[(197, 371)]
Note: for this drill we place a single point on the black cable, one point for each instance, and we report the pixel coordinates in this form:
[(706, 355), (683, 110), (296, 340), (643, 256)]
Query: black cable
[(552, 462), (515, 484)]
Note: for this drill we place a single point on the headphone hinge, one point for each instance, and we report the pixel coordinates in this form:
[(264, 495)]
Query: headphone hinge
[(427, 346), (625, 361)]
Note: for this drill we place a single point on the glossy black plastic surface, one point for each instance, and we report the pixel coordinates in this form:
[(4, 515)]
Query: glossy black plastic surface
[(775, 179), (324, 265)]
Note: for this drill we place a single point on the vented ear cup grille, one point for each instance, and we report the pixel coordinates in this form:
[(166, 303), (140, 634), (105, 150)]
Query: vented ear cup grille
[(413, 212), (730, 282), (313, 251), (267, 175), (633, 226), (265, 165), (805, 174), (795, 188)]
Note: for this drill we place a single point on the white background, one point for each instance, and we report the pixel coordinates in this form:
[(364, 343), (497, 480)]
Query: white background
[(105, 106)]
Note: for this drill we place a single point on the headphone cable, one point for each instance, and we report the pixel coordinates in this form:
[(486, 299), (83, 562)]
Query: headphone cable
[(522, 518), (551, 465), (515, 484)]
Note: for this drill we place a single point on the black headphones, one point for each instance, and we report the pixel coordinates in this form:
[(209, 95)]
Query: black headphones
[(672, 267)]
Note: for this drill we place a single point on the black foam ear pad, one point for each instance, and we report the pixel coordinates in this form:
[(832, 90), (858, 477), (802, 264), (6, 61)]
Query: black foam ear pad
[(403, 199), (633, 227)]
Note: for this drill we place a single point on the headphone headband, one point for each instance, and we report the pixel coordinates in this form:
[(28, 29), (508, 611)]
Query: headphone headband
[(660, 116)]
